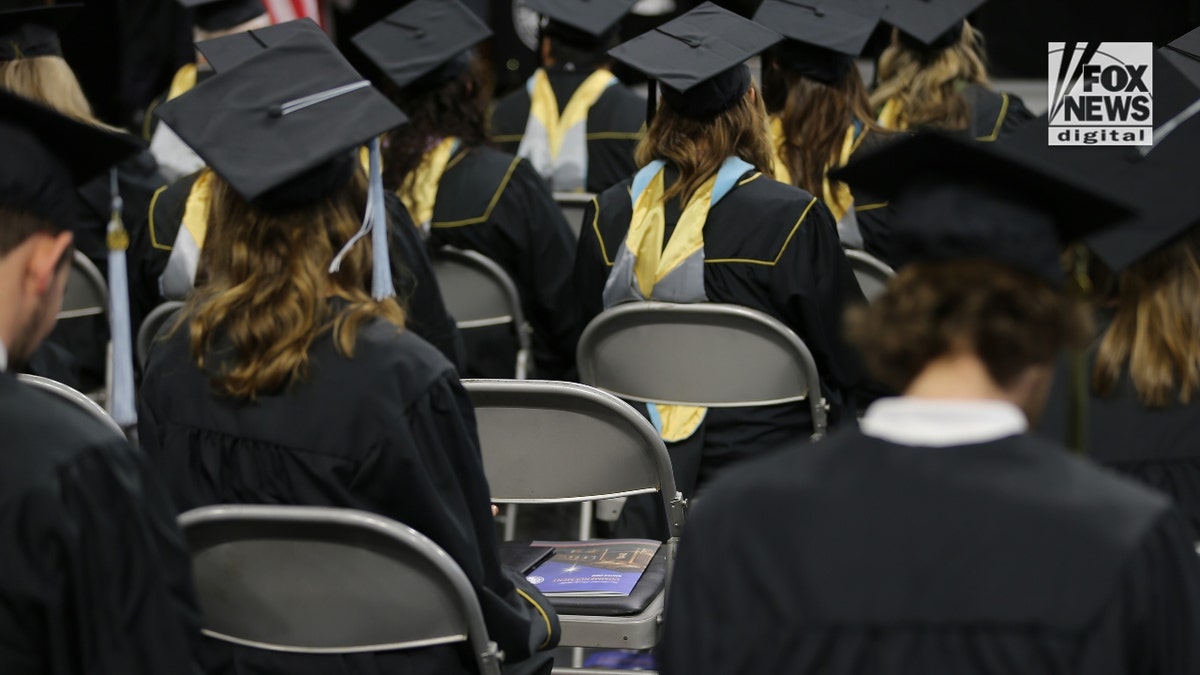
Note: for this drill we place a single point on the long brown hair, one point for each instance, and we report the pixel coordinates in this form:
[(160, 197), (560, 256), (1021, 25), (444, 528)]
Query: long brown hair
[(50, 81), (815, 117), (927, 83), (1155, 332), (698, 147), (265, 283), (456, 108)]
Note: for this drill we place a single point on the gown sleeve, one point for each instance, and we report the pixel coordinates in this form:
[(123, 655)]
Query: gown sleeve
[(446, 497), (591, 269), (811, 287), (418, 288), (1018, 114), (104, 564), (1155, 613)]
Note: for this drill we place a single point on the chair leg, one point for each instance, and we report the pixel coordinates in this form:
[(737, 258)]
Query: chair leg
[(586, 512), (510, 522)]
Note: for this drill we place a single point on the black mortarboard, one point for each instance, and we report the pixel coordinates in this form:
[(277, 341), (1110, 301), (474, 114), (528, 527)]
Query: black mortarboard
[(218, 15), (699, 58), (424, 40), (932, 23), (44, 155), (954, 199), (279, 115), (1158, 183), (1184, 54), (33, 31), (822, 37), (581, 22), (230, 51)]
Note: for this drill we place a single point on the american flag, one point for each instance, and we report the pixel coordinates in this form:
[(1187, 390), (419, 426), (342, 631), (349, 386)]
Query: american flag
[(286, 10)]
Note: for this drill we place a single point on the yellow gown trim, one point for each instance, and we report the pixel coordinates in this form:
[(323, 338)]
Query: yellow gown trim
[(836, 196), (420, 189), (543, 105)]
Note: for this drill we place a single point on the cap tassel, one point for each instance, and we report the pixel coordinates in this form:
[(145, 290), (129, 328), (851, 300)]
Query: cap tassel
[(374, 223), (121, 396)]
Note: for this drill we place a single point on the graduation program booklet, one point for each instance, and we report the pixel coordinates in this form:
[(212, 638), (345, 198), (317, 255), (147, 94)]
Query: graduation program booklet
[(601, 568)]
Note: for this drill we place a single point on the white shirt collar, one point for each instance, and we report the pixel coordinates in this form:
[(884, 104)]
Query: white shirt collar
[(3, 357), (941, 423)]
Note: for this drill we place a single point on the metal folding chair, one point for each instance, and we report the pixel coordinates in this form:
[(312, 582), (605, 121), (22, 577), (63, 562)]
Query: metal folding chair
[(649, 351), (74, 397), (558, 442), (573, 205), (480, 294), (152, 325), (321, 580), (872, 273), (86, 296)]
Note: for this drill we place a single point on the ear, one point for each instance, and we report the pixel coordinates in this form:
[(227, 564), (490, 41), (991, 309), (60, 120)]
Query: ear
[(48, 257), (752, 94), (546, 52)]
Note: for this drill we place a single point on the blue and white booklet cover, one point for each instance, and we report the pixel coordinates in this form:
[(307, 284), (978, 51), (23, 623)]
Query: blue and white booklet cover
[(601, 568)]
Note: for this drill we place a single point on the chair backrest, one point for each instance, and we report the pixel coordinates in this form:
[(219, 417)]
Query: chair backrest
[(328, 581), (74, 397), (872, 273), (560, 442), (479, 294), (86, 293), (704, 354), (152, 325), (573, 205)]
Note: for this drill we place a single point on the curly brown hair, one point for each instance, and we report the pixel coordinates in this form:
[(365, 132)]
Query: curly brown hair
[(1010, 319)]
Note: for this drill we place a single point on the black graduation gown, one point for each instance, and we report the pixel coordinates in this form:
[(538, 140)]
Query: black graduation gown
[(614, 126), (411, 270), (94, 577), (859, 556), (1157, 446), (781, 262), (390, 431), (85, 339), (497, 205)]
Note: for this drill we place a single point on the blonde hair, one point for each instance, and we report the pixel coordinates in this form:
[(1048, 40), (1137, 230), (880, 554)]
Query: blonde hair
[(927, 84), (50, 81), (264, 287), (1155, 332), (698, 147)]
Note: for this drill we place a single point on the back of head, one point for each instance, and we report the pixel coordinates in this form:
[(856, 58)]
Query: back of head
[(264, 283), (814, 117), (697, 146), (925, 83), (1154, 336), (1010, 319)]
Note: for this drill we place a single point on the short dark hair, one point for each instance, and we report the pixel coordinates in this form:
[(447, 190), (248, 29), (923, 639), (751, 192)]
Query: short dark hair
[(18, 225), (1010, 319)]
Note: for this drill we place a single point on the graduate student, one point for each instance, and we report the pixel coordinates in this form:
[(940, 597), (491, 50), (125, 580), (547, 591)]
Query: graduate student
[(702, 221), (212, 19), (1142, 370), (32, 66), (464, 194), (168, 247), (942, 537), (574, 120), (820, 113), (290, 378), (94, 577), (934, 74)]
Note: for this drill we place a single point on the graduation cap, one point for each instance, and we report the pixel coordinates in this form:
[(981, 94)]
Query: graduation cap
[(1184, 54), (1156, 179), (46, 154), (230, 51), (220, 15), (699, 58), (935, 24), (955, 198), (426, 40), (822, 36), (582, 22), (33, 31), (280, 128)]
